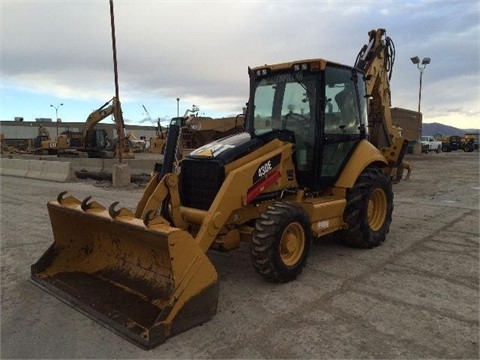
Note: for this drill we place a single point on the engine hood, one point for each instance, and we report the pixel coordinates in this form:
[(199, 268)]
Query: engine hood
[(228, 148)]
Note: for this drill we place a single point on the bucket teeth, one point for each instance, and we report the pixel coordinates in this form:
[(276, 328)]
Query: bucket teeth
[(60, 196), (85, 205), (147, 218), (151, 218), (93, 206), (123, 212), (67, 201), (111, 210)]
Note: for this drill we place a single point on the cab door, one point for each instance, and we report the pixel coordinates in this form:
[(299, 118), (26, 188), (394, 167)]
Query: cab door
[(344, 119)]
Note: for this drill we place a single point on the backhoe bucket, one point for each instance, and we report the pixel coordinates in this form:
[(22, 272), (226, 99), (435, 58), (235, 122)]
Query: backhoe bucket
[(142, 279)]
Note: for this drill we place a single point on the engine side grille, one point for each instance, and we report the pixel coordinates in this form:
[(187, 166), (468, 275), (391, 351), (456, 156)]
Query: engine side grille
[(200, 182)]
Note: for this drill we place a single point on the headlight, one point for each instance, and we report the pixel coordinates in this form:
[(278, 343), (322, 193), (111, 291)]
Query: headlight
[(261, 72), (298, 67)]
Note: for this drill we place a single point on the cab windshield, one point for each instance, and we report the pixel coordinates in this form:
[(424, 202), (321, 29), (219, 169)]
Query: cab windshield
[(284, 101)]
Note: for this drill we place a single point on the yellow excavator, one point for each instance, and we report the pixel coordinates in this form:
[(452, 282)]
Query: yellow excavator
[(315, 159), (92, 142), (95, 142)]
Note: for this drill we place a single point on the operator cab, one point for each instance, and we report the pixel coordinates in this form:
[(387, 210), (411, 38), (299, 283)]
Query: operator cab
[(320, 106)]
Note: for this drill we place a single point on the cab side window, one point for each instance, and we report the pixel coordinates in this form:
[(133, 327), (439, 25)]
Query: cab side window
[(341, 121), (341, 113)]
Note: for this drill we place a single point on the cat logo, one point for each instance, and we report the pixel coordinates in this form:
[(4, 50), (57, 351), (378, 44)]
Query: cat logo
[(204, 152), (211, 150)]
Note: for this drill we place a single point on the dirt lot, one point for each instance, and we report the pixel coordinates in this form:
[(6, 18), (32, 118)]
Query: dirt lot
[(416, 296)]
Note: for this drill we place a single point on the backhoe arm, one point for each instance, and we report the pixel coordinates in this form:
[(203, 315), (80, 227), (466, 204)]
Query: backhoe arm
[(376, 61)]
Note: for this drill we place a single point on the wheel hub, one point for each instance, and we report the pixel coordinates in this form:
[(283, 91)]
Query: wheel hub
[(377, 209), (292, 244)]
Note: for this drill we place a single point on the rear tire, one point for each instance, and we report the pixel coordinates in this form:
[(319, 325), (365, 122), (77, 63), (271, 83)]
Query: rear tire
[(281, 242), (368, 213)]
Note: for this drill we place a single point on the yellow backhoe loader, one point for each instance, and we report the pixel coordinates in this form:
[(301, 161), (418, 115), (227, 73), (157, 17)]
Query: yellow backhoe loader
[(316, 159)]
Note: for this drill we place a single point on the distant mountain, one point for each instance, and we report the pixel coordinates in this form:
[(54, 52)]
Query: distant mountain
[(432, 129)]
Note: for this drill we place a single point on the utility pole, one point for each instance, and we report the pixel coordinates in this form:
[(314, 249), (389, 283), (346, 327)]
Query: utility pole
[(117, 106)]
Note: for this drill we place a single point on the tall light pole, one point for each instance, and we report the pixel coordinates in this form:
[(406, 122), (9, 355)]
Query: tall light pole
[(56, 113), (178, 104), (421, 66)]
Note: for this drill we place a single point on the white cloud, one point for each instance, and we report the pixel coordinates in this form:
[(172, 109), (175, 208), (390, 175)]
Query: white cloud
[(200, 50)]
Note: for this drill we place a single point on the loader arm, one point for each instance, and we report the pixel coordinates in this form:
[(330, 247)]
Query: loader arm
[(236, 191), (376, 61)]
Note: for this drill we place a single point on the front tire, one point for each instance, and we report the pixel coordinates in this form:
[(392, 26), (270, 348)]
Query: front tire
[(281, 242), (368, 213)]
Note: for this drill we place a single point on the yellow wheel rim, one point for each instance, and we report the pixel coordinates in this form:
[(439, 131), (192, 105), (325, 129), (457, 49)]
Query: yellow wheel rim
[(377, 209), (292, 244)]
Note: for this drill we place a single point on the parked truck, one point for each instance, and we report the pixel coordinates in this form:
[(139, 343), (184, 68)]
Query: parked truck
[(430, 144)]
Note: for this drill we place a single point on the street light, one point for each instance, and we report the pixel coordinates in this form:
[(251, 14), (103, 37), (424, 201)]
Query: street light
[(56, 113), (421, 66), (178, 103)]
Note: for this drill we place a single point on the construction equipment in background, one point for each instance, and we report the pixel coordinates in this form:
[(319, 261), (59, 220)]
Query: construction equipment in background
[(3, 144), (90, 142), (95, 141), (201, 130), (158, 143), (306, 167), (453, 142), (196, 131), (43, 144), (469, 142), (16, 146), (136, 145)]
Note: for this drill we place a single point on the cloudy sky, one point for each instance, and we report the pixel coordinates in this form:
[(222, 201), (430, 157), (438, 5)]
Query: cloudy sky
[(56, 52)]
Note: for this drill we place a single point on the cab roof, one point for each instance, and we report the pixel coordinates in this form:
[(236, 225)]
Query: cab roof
[(314, 64)]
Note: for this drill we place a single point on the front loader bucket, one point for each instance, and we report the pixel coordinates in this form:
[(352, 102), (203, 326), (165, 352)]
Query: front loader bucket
[(142, 279)]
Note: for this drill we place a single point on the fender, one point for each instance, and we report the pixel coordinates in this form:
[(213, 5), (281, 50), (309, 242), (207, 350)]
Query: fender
[(364, 155)]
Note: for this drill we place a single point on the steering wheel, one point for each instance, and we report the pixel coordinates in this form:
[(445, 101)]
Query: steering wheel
[(300, 119)]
